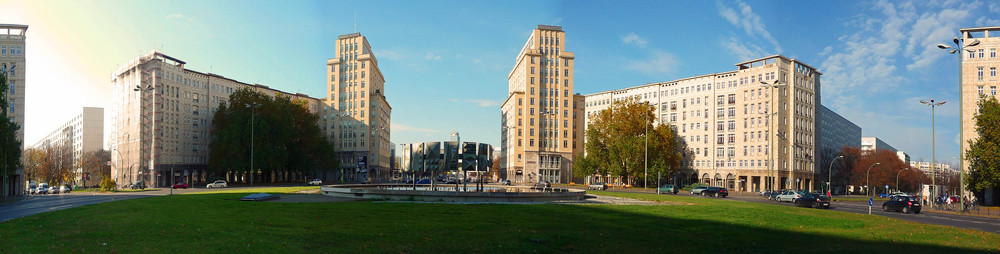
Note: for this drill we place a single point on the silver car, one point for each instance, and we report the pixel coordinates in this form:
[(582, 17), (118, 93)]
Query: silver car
[(789, 196), (217, 184), (698, 190), (316, 181)]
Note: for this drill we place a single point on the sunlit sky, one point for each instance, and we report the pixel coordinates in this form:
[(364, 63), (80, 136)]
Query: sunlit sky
[(446, 62)]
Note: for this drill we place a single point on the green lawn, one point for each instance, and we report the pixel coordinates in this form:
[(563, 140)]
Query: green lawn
[(218, 223)]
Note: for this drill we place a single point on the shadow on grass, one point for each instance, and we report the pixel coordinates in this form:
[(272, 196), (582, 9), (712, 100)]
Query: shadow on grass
[(220, 223)]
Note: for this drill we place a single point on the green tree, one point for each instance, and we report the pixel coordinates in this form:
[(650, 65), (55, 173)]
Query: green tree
[(984, 151), (10, 147), (616, 143), (287, 141)]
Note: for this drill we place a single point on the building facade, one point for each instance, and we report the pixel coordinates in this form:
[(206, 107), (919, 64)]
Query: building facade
[(834, 133), (724, 120), (979, 79), (12, 59), (871, 144), (541, 120), (162, 117), (357, 114), (451, 158), (80, 135)]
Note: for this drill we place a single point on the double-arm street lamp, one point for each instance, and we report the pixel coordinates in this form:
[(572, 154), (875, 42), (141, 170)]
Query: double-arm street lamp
[(829, 178), (867, 185), (770, 127), (961, 132), (933, 149)]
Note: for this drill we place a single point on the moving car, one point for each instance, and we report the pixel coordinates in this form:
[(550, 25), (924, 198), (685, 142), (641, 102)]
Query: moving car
[(715, 192), (813, 200), (668, 188), (789, 196), (504, 182), (54, 190), (138, 185), (316, 182), (544, 184), (43, 188), (217, 184), (903, 204), (698, 190), (180, 185), (597, 186), (424, 180), (64, 189), (772, 194)]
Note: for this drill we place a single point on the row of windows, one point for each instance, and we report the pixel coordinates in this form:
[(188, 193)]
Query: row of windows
[(14, 50), (981, 53), (993, 90), (979, 72)]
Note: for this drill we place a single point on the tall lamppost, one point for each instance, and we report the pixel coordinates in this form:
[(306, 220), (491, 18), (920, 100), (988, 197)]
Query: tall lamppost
[(897, 177), (933, 148), (867, 185), (253, 114), (829, 178), (770, 127), (119, 162), (645, 156), (3, 167), (961, 133)]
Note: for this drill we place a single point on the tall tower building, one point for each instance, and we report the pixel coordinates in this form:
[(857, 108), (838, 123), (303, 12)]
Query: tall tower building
[(979, 79), (12, 55), (357, 114), (541, 132)]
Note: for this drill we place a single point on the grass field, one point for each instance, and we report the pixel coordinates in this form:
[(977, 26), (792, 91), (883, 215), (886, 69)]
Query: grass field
[(217, 222)]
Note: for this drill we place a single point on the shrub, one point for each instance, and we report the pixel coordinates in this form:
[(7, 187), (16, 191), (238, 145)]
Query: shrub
[(108, 184), (693, 185)]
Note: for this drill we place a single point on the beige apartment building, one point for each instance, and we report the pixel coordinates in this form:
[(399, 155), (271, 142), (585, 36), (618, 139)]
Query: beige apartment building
[(725, 121), (979, 79), (542, 122), (357, 115), (12, 58), (82, 134), (162, 116)]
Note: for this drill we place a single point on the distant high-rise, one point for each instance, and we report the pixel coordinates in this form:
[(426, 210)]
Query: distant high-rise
[(357, 114), (12, 55), (82, 134), (541, 130)]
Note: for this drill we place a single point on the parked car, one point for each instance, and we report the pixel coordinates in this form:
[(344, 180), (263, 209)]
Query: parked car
[(64, 189), (813, 200), (180, 185), (698, 190), (597, 186), (217, 184), (772, 194), (53, 190), (504, 182), (715, 192), (316, 182), (43, 188), (424, 180), (903, 204), (544, 184), (789, 196), (668, 188)]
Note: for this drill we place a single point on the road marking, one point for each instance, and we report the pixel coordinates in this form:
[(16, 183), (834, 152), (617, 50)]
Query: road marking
[(60, 207)]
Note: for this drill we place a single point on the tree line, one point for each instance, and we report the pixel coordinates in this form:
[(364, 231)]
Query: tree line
[(286, 141)]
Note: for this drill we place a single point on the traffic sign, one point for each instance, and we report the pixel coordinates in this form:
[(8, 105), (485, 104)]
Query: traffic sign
[(870, 200)]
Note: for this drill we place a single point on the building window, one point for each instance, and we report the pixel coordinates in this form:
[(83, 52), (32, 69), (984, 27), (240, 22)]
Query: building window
[(972, 54), (980, 90), (980, 53), (993, 90), (532, 80), (993, 71), (980, 73)]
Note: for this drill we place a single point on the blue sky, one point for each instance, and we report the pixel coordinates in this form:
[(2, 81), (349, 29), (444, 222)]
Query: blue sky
[(446, 62)]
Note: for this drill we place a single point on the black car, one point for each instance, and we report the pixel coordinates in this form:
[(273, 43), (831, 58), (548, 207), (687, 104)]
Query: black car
[(542, 185), (903, 204), (813, 200), (715, 192)]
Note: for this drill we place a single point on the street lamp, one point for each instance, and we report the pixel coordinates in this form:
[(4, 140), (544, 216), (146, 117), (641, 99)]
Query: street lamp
[(645, 156), (933, 149), (829, 178), (119, 162), (253, 114), (897, 177), (961, 133), (770, 128), (3, 167), (866, 177)]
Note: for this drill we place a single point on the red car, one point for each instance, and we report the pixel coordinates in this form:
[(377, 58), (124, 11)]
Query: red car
[(180, 185)]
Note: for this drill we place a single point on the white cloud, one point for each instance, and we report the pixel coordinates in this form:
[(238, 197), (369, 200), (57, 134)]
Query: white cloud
[(432, 56), (483, 103), (392, 54), (749, 21), (452, 100), (477, 61), (179, 16), (402, 127), (634, 39), (743, 50), (659, 63)]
